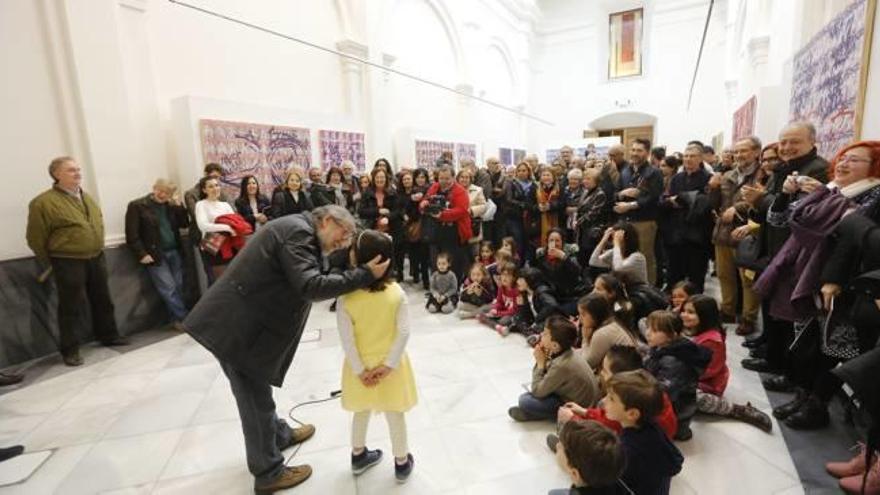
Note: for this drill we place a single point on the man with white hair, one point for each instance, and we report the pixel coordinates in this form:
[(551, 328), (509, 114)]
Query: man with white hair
[(253, 322)]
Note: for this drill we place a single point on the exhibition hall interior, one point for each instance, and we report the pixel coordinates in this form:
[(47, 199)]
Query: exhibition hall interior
[(440, 247)]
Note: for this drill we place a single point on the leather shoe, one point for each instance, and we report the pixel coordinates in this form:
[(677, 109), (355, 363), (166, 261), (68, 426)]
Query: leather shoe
[(758, 352), (760, 365), (728, 318), (300, 435), (812, 415), (789, 408), (117, 341), (7, 379), (752, 343), (778, 383), (290, 477), (72, 359), (745, 328)]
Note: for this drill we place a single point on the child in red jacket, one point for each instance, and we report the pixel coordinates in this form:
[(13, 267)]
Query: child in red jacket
[(702, 322), (500, 314), (618, 359)]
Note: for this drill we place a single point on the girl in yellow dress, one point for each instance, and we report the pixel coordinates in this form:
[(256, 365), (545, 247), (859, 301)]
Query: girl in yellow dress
[(376, 376)]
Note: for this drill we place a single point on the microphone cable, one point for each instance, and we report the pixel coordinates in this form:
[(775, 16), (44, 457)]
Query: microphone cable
[(333, 396)]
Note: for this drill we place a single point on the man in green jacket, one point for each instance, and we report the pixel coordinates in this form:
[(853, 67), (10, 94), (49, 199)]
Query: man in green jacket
[(66, 231)]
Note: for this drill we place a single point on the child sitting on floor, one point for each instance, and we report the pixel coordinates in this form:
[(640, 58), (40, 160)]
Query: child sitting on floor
[(633, 399), (702, 322), (502, 257), (444, 287), (680, 293), (509, 243), (486, 256), (376, 375), (559, 375), (677, 363), (618, 359), (477, 292), (503, 308), (593, 456), (535, 304)]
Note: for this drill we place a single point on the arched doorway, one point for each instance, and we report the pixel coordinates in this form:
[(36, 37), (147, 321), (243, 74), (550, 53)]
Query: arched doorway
[(627, 125)]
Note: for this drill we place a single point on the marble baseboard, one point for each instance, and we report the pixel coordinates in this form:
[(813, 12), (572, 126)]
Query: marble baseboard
[(28, 308)]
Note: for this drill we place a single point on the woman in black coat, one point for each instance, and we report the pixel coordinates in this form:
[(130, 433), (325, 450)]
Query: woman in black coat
[(521, 210), (380, 208), (291, 198), (251, 204)]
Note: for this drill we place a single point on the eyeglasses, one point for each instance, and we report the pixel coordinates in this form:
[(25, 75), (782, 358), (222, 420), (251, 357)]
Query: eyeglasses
[(854, 159)]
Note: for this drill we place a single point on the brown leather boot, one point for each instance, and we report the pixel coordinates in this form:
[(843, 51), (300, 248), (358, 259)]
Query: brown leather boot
[(750, 414), (290, 477)]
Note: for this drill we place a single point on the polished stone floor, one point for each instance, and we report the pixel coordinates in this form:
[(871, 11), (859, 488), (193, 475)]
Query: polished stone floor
[(161, 419)]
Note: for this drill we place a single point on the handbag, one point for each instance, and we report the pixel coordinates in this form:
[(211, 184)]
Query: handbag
[(748, 254), (211, 242), (840, 339), (414, 231), (476, 227), (491, 209)]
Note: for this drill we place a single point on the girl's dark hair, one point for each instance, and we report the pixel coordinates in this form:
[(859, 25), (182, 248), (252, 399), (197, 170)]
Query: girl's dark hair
[(562, 331), (202, 182), (630, 238), (556, 230), (510, 240), (242, 193), (613, 285), (707, 311), (367, 245), (508, 268), (486, 244), (532, 276), (624, 358), (598, 307)]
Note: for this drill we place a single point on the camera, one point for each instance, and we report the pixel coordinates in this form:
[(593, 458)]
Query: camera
[(436, 204)]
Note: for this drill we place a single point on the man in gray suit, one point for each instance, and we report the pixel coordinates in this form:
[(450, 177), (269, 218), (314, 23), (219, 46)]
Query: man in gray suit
[(252, 319)]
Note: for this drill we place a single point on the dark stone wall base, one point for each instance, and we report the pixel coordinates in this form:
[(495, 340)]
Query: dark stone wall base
[(28, 308)]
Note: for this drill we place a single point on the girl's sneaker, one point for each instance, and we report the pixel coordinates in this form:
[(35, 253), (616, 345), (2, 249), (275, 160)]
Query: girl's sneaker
[(365, 460), (402, 471)]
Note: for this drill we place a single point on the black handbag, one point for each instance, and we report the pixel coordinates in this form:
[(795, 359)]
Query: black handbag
[(748, 254), (840, 338)]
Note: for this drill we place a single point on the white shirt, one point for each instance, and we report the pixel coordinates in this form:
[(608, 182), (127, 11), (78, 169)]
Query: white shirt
[(207, 211)]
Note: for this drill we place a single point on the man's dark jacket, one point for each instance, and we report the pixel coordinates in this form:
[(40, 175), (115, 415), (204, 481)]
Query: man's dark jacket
[(253, 316), (142, 227)]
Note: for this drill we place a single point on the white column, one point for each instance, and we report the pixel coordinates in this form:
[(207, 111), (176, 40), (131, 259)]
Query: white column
[(353, 72)]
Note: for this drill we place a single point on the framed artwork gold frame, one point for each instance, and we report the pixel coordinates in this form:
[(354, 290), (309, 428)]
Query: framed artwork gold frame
[(625, 43)]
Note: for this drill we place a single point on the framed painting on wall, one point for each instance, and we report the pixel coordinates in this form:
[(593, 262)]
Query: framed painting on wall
[(427, 152), (505, 155), (338, 146), (465, 150), (830, 75), (264, 151), (625, 44), (744, 120)]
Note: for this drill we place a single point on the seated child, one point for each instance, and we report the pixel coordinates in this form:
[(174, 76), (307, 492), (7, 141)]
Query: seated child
[(614, 291), (593, 456), (502, 257), (677, 363), (702, 322), (536, 302), (618, 359), (680, 293), (600, 329), (477, 292), (486, 255), (510, 244), (633, 399), (376, 375), (503, 308), (444, 287), (559, 376)]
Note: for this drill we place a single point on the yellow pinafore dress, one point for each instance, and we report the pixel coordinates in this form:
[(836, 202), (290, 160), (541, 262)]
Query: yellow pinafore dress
[(374, 320)]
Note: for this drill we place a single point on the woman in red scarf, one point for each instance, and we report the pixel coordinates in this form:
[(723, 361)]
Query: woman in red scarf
[(549, 203)]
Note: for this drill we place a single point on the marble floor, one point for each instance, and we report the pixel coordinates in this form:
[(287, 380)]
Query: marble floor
[(161, 419)]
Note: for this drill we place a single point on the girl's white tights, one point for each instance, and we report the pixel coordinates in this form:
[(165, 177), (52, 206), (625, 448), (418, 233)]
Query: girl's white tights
[(396, 426)]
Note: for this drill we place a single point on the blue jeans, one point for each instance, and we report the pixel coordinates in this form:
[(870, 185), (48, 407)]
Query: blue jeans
[(540, 408), (168, 279)]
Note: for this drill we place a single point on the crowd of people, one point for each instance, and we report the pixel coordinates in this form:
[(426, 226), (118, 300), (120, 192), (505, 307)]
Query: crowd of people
[(599, 261)]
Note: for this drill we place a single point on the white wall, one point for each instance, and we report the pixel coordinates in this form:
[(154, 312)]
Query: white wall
[(119, 84)]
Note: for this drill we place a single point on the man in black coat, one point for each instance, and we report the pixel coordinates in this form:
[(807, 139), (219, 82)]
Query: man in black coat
[(152, 232), (252, 319)]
